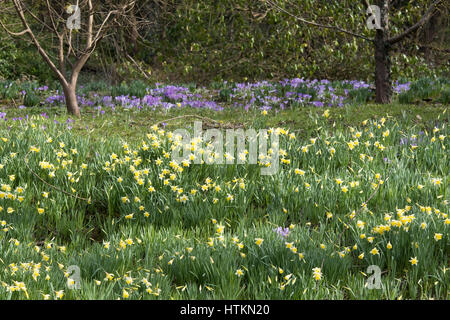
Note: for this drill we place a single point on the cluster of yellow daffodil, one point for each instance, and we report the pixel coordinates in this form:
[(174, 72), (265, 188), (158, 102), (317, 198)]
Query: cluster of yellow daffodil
[(343, 199)]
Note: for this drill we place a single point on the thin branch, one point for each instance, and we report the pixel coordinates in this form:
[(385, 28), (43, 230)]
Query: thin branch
[(14, 34), (90, 25), (138, 66), (315, 24), (100, 29), (62, 65), (69, 43), (50, 13), (19, 10), (42, 23), (422, 21)]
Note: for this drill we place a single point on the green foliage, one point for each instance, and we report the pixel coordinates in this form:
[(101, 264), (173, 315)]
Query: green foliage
[(445, 96), (19, 61), (135, 88), (8, 51), (31, 99), (240, 40), (9, 90), (427, 89)]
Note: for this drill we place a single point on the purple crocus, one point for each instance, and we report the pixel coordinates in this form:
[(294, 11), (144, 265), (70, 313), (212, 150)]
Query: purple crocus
[(283, 232)]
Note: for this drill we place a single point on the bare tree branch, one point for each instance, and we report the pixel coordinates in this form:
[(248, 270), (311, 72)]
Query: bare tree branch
[(50, 13), (90, 25), (19, 10), (138, 66), (14, 34), (428, 14)]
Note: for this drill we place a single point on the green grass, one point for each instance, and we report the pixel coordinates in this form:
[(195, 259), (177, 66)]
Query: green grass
[(180, 248), (133, 124)]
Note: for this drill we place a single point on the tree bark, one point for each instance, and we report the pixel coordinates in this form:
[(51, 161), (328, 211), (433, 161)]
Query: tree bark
[(383, 83), (71, 99)]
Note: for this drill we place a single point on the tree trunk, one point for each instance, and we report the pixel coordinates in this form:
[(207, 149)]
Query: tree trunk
[(382, 59), (71, 99), (383, 82)]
